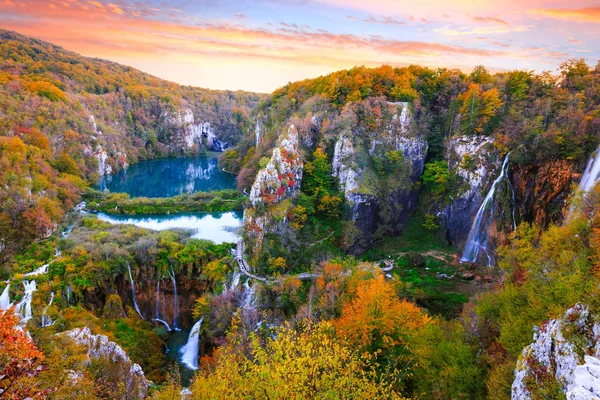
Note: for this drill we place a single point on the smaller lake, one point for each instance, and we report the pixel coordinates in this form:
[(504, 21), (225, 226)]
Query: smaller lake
[(169, 177), (218, 227)]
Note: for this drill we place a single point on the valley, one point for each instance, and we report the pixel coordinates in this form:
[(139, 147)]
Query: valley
[(388, 232)]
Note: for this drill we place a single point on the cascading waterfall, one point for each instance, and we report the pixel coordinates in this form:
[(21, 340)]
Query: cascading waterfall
[(189, 352), (46, 320), (24, 306), (479, 233), (135, 304), (156, 308), (5, 299), (39, 271), (249, 301), (591, 174), (176, 300)]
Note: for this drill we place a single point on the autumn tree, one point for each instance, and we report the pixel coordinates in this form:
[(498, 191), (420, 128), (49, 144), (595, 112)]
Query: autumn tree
[(19, 359)]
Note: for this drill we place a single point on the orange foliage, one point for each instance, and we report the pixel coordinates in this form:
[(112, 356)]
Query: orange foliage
[(19, 358), (376, 314)]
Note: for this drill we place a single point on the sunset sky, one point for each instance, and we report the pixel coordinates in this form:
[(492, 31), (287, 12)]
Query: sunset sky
[(260, 45)]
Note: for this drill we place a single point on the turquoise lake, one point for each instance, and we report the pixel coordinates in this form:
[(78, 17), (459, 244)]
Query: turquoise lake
[(169, 177)]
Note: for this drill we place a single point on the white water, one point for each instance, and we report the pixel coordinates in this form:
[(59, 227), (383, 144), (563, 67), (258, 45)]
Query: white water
[(39, 271), (175, 301), (24, 306), (249, 301), (479, 233), (46, 320), (5, 299), (591, 174), (135, 304), (189, 352)]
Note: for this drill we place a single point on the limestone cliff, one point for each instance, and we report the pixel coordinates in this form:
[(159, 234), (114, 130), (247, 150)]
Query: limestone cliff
[(279, 180), (120, 368), (565, 354), (381, 195)]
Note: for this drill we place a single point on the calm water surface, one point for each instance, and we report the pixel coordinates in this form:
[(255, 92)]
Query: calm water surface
[(218, 227), (169, 177)]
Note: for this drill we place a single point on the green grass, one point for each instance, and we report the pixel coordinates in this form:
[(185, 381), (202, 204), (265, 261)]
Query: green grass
[(424, 283)]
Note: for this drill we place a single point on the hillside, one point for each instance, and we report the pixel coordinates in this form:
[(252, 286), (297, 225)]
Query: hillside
[(65, 120)]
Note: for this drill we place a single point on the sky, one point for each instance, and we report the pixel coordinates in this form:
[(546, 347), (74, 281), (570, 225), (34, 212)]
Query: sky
[(260, 45)]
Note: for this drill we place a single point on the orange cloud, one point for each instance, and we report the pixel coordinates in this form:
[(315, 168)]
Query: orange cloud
[(586, 14)]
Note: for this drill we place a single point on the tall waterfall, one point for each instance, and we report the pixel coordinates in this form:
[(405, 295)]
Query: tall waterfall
[(135, 304), (591, 174), (24, 306), (157, 307), (5, 299), (175, 301), (46, 320), (189, 352), (479, 233)]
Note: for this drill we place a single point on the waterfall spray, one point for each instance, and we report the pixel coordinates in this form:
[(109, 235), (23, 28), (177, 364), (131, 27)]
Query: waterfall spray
[(479, 233)]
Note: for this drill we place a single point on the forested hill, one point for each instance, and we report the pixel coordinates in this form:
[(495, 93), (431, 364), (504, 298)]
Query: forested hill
[(386, 133), (66, 119)]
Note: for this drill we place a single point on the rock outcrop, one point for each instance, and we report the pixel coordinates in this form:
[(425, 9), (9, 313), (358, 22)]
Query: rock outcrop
[(99, 348), (279, 180), (282, 176), (566, 353)]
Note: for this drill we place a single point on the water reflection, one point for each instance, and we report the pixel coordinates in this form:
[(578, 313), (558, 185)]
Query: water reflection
[(218, 227), (169, 177)]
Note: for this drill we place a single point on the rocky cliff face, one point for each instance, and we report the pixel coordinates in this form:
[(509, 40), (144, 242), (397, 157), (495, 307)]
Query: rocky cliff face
[(542, 190), (470, 157), (279, 180), (188, 133), (120, 368), (565, 354), (373, 206)]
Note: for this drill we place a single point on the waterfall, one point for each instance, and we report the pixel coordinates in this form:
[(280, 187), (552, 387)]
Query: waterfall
[(69, 293), (39, 271), (156, 307), (135, 304), (24, 306), (235, 281), (176, 301), (591, 174), (479, 233), (189, 352), (46, 320), (257, 132), (5, 299), (249, 301)]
